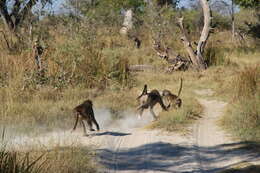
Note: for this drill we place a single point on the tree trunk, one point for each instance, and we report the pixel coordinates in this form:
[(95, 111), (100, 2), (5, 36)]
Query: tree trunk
[(233, 20), (14, 18), (204, 34), (197, 56), (128, 22)]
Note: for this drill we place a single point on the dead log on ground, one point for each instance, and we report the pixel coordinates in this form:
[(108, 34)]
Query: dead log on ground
[(175, 61), (140, 68)]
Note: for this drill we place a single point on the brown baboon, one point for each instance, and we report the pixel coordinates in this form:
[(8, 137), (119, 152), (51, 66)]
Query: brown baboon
[(38, 51), (137, 42), (82, 112), (173, 100), (152, 98)]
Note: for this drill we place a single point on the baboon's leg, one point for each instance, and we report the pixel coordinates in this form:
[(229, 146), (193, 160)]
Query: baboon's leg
[(179, 103), (95, 122), (93, 119), (83, 125), (162, 104), (169, 103), (76, 122), (153, 114), (141, 110), (90, 124), (144, 105)]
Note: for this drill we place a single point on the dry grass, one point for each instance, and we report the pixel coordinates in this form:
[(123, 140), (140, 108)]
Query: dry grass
[(243, 168), (60, 160), (177, 120), (78, 69), (243, 114), (73, 158)]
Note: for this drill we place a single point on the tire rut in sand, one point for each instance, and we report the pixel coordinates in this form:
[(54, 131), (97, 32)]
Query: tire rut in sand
[(215, 148)]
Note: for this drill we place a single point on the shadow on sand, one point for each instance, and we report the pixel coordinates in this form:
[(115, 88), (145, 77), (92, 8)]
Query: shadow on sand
[(112, 134), (165, 157)]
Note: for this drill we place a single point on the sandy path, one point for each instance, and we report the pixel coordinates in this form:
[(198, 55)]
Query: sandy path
[(130, 148), (215, 148), (207, 149)]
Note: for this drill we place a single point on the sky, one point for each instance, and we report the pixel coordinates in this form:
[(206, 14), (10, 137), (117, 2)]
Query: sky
[(58, 5)]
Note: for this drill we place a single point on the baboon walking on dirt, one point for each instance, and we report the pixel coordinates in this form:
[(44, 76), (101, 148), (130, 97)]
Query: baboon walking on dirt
[(152, 98), (173, 100), (82, 112)]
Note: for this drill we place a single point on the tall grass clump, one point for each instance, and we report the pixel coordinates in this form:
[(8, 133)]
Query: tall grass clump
[(243, 114), (176, 120), (246, 83), (60, 160), (217, 56), (14, 162)]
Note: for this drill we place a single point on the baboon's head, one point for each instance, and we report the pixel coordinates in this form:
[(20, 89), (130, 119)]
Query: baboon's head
[(166, 93), (89, 102)]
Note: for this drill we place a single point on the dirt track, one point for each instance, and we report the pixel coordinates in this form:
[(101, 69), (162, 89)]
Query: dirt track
[(130, 148), (206, 149)]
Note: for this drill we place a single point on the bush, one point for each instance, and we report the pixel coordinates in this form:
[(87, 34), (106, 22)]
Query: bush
[(14, 162), (175, 120), (246, 83), (59, 160), (243, 115)]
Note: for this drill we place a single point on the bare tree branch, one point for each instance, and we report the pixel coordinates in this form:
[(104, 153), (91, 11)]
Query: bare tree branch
[(196, 56), (18, 13), (4, 13), (187, 43), (25, 11), (16, 8)]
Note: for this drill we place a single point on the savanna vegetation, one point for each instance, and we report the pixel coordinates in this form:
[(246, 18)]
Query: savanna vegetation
[(52, 59)]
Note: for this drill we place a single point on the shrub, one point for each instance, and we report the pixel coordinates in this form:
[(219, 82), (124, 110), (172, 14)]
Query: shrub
[(246, 83), (243, 115), (175, 120)]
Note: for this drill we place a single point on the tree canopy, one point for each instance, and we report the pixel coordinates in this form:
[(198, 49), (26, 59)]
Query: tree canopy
[(15, 12), (248, 3)]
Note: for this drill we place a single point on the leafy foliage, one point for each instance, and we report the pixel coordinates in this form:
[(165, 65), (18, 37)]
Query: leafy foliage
[(248, 3)]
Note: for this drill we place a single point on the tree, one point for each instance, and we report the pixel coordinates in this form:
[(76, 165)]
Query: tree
[(227, 7), (196, 56), (248, 3), (162, 3), (13, 15), (254, 5)]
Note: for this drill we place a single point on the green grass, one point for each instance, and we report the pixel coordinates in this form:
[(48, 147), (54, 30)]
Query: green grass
[(177, 120)]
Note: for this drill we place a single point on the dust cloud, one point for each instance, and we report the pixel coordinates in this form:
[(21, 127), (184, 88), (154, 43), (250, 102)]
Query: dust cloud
[(129, 120), (62, 138)]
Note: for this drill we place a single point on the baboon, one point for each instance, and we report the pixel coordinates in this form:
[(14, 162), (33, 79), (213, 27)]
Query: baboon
[(151, 99), (173, 100), (82, 112), (38, 51), (137, 42)]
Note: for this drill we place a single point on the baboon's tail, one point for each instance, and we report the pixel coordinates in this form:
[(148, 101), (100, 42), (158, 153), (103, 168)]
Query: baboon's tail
[(179, 93), (143, 93)]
